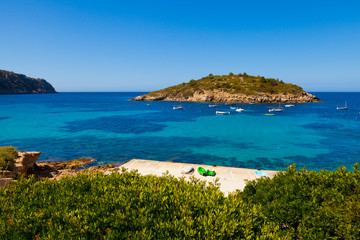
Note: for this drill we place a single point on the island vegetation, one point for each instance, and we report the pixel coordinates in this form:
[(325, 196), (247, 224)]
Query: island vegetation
[(292, 205), (14, 83), (232, 88)]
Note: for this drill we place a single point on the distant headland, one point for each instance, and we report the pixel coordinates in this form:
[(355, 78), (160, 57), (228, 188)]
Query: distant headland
[(14, 83), (232, 88)]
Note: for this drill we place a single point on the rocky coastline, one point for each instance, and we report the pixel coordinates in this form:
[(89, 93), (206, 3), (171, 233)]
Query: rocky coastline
[(25, 164), (220, 96)]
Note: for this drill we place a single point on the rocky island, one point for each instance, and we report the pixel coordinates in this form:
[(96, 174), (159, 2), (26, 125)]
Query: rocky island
[(14, 83), (232, 88)]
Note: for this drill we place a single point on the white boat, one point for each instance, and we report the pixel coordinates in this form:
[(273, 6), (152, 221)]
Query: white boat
[(240, 110), (276, 109), (233, 108), (222, 113), (289, 105), (178, 107), (342, 107), (213, 105)]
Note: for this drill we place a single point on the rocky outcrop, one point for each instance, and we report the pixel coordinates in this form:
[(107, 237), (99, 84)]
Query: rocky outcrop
[(24, 163), (55, 170), (14, 83), (226, 97), (58, 170)]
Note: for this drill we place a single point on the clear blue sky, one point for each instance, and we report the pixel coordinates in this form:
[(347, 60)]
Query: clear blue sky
[(86, 45)]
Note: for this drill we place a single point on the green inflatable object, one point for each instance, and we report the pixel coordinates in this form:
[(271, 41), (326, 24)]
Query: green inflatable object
[(210, 173), (204, 172)]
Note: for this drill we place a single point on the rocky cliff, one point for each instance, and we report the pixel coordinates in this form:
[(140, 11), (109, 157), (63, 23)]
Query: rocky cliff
[(14, 83), (241, 88)]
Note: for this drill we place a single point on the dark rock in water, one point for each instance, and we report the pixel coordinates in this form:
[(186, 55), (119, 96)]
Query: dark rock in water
[(14, 83)]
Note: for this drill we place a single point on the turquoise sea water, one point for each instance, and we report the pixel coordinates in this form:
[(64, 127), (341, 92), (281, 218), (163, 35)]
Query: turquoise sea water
[(109, 128)]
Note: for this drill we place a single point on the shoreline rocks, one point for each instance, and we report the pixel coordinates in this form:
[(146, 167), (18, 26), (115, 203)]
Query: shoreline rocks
[(25, 164), (220, 96)]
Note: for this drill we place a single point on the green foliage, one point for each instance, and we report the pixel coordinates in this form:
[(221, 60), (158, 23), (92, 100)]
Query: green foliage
[(7, 157), (309, 204), (127, 206), (240, 83), (293, 205)]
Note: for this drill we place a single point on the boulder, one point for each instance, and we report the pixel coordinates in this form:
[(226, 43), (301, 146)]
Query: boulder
[(24, 163)]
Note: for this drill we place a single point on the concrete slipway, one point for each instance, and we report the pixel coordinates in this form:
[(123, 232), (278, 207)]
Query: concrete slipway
[(230, 178)]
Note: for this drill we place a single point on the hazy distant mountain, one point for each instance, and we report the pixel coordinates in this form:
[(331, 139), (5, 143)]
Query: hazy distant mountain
[(14, 83)]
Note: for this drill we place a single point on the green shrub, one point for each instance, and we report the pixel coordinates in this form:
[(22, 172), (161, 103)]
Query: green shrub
[(293, 205), (249, 85), (309, 204), (7, 157), (127, 206)]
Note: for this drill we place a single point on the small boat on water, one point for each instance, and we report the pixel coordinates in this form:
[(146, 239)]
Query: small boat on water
[(213, 105), (240, 110), (276, 109), (342, 107), (289, 105), (178, 107), (233, 108), (222, 113)]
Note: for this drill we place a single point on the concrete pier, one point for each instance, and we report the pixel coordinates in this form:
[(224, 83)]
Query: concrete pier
[(230, 178)]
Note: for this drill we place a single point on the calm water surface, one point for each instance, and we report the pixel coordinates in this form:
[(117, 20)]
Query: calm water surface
[(109, 128)]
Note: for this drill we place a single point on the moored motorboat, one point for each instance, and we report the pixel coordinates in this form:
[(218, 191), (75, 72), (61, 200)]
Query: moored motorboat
[(289, 105), (213, 105), (276, 109), (222, 113), (240, 110)]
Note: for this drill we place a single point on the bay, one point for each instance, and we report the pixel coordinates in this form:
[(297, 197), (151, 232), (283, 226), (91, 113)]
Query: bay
[(109, 128)]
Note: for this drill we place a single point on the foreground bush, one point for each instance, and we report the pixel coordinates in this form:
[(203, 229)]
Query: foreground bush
[(127, 205), (293, 205), (7, 157), (310, 205)]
